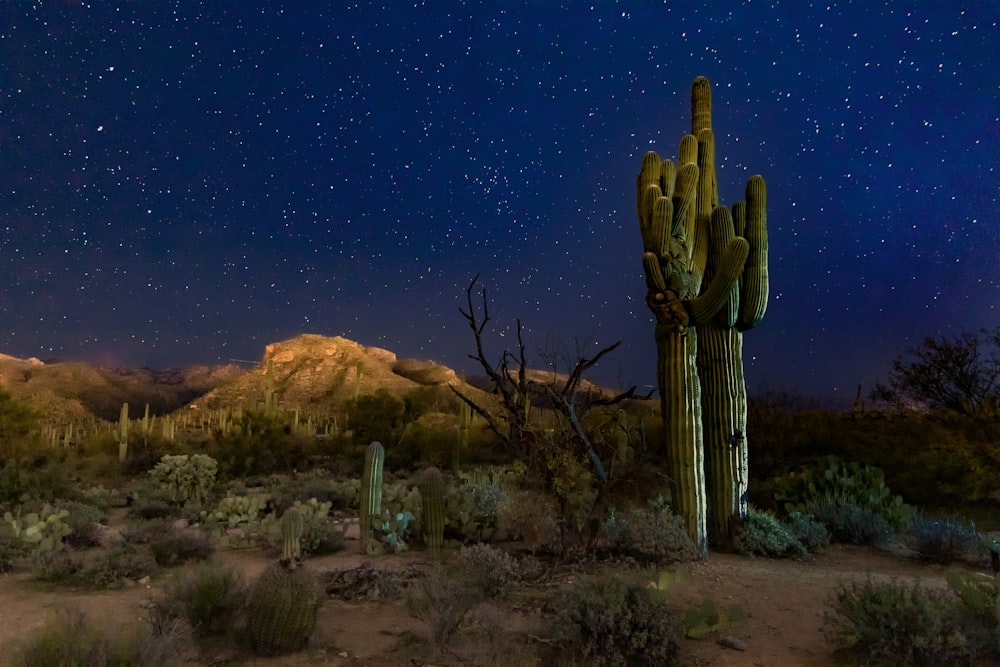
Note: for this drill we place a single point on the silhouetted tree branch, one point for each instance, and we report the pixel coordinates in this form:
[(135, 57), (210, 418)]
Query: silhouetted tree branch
[(961, 374)]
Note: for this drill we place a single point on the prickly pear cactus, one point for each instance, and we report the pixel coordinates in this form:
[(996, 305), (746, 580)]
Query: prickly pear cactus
[(281, 614)]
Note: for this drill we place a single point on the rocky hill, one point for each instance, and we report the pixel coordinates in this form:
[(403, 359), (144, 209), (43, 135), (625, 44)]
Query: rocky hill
[(310, 372), (313, 372), (67, 390)]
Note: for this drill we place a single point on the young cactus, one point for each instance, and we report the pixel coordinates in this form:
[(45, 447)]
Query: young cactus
[(371, 493), (432, 510), (291, 534)]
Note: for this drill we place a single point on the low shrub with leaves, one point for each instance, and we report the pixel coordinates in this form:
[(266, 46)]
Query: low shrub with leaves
[(208, 596), (891, 623), (123, 561), (84, 523), (763, 534), (653, 534), (614, 620), (942, 540), (810, 533), (488, 567), (176, 546), (849, 522)]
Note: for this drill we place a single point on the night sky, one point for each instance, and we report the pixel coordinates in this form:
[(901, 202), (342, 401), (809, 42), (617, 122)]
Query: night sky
[(185, 182)]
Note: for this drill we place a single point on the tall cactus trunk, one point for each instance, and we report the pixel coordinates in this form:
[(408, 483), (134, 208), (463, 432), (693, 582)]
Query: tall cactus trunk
[(371, 494), (680, 404), (724, 418)]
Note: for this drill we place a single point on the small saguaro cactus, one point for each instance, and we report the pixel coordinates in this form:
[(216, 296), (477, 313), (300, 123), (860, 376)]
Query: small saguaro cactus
[(371, 493), (123, 433), (432, 510), (291, 535)]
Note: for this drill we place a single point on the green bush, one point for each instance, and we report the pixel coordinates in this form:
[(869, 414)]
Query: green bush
[(810, 533), (893, 623), (208, 596), (178, 546), (56, 566), (942, 540), (123, 561), (649, 534), (84, 523), (763, 534), (862, 485), (849, 522), (613, 620)]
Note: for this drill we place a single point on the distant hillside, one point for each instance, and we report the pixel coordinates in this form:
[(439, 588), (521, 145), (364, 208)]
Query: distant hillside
[(317, 372), (310, 372), (66, 390)]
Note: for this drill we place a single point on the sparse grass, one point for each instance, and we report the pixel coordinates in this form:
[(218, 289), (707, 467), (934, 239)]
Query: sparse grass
[(442, 601)]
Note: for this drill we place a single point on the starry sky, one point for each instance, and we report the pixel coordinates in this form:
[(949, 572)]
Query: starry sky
[(184, 182)]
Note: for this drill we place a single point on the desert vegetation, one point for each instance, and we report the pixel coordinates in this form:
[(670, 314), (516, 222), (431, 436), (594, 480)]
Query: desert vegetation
[(485, 529)]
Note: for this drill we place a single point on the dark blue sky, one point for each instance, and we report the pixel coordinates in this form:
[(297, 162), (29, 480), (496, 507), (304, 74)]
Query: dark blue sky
[(185, 182)]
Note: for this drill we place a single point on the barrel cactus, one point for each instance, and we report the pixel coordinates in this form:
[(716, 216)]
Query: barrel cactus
[(281, 614)]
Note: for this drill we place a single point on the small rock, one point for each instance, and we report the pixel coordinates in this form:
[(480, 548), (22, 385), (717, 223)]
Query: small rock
[(734, 643)]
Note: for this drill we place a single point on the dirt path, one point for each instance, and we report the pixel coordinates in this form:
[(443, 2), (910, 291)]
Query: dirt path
[(783, 602)]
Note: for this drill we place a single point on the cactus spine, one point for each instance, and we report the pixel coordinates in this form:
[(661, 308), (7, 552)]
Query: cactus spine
[(432, 510), (371, 493), (706, 279)]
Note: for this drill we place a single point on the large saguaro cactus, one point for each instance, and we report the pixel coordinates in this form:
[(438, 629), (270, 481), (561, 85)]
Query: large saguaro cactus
[(700, 284)]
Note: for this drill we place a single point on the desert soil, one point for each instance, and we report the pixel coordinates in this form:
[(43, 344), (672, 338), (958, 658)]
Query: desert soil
[(783, 603)]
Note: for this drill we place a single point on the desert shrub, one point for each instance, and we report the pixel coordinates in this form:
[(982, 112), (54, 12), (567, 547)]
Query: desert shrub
[(649, 534), (942, 540), (861, 485), (533, 516), (186, 478), (980, 601), (763, 534), (849, 522), (56, 566), (442, 602), (84, 523), (810, 533), (208, 596), (897, 623), (489, 568), (123, 561), (613, 620), (71, 638), (178, 546)]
